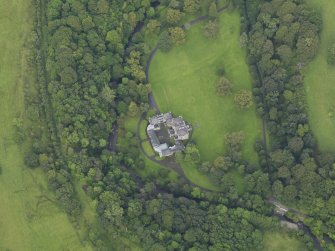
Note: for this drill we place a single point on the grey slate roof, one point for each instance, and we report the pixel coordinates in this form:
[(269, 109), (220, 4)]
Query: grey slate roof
[(177, 130)]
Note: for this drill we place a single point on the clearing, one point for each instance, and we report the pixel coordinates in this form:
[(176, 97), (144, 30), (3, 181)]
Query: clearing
[(30, 219), (184, 82), (319, 82)]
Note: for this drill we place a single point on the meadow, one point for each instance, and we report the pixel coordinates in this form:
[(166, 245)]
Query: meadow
[(30, 217), (184, 81), (319, 81)]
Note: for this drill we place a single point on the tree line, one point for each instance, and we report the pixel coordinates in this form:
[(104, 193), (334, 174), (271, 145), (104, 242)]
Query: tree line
[(283, 37)]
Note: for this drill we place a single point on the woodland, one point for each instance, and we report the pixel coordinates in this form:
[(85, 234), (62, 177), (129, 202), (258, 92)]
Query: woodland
[(90, 59)]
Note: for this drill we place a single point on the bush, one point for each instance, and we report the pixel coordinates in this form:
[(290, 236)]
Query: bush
[(164, 42), (243, 99), (177, 35), (31, 160), (211, 29), (223, 87), (220, 71)]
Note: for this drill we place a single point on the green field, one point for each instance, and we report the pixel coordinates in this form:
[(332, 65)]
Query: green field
[(281, 242), (30, 219), (319, 81), (183, 81)]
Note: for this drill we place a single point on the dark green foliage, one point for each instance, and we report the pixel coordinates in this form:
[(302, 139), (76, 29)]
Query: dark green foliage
[(243, 99), (213, 11), (31, 160), (284, 37), (164, 41), (91, 68)]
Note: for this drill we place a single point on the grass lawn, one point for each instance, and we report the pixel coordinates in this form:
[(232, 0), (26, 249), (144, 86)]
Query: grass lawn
[(184, 80), (30, 219), (148, 148), (150, 168), (281, 242), (143, 130), (198, 178), (319, 81)]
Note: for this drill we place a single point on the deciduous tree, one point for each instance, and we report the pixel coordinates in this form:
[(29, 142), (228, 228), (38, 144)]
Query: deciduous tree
[(243, 99), (178, 36), (223, 86)]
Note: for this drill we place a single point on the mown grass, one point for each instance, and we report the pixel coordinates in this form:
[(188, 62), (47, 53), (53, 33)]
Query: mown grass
[(143, 130), (281, 242), (30, 218), (319, 81), (131, 124), (184, 81), (148, 148)]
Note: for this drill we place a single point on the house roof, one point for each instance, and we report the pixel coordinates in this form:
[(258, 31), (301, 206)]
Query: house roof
[(177, 127), (153, 138), (161, 118), (182, 131)]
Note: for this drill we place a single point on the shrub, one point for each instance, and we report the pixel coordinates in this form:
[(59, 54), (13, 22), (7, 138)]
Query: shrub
[(211, 29), (223, 87), (243, 99), (178, 36), (31, 159)]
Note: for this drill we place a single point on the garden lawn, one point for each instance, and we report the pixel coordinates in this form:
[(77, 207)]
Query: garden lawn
[(281, 242), (184, 80), (143, 130), (319, 82), (151, 168), (148, 148), (30, 218)]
